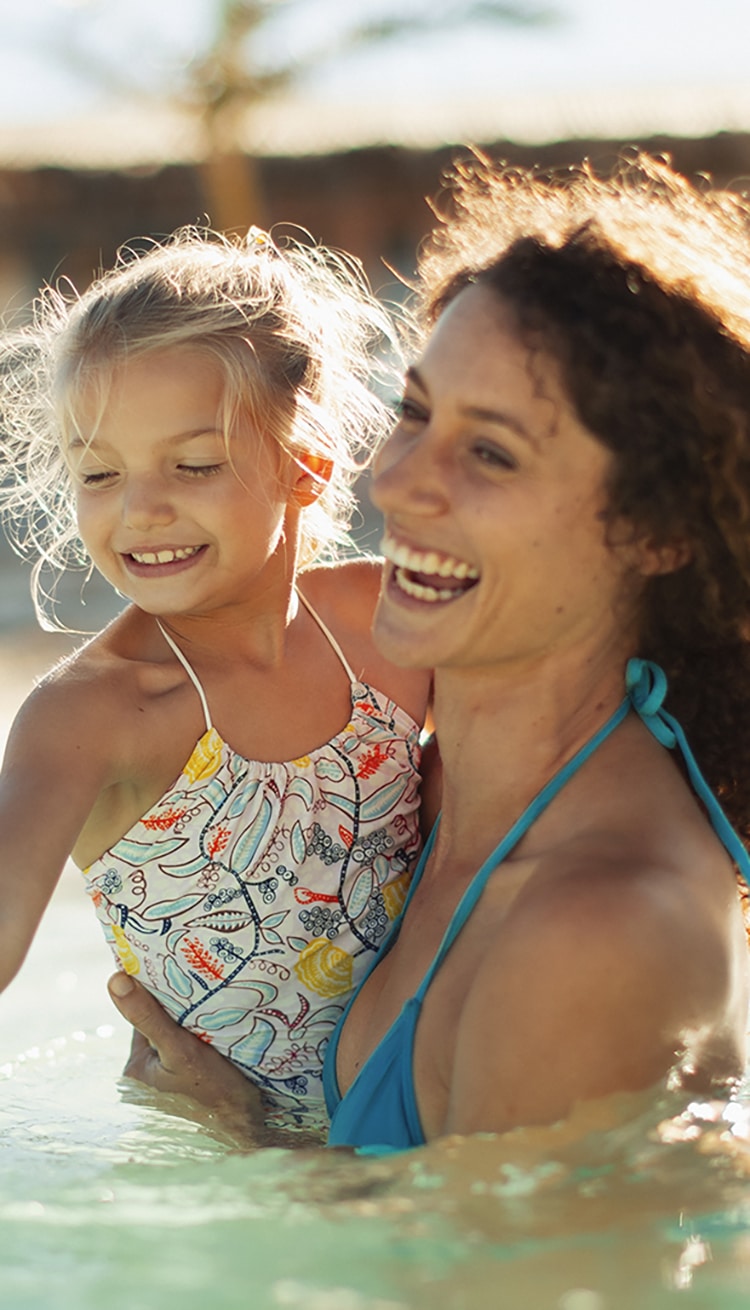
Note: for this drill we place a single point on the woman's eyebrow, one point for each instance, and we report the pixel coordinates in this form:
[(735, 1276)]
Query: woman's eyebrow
[(502, 419), (481, 412)]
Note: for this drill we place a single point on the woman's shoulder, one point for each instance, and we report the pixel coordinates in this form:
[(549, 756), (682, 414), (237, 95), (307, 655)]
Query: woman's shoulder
[(630, 931), (608, 973)]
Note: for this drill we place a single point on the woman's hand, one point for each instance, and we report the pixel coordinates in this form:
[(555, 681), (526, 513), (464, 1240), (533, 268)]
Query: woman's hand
[(170, 1059)]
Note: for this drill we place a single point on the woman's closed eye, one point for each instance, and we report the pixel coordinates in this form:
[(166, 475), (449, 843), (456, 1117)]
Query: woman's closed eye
[(410, 412), (494, 456)]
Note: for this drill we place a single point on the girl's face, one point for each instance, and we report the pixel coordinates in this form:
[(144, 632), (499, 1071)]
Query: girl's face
[(494, 496), (176, 518)]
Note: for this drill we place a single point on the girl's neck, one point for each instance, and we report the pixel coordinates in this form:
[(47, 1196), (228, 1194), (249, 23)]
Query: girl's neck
[(256, 630)]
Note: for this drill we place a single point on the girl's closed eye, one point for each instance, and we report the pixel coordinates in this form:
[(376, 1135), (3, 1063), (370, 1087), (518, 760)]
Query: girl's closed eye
[(201, 470), (96, 477)]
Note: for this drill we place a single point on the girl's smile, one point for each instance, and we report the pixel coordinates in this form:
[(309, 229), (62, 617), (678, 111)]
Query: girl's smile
[(173, 514)]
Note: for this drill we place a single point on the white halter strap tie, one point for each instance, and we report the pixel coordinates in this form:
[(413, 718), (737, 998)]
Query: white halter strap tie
[(193, 676)]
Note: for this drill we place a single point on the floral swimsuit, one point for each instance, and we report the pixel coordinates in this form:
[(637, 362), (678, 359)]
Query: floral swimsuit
[(251, 897)]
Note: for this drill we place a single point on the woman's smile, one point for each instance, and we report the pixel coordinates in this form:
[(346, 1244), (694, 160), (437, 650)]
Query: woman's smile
[(427, 575), (494, 494)]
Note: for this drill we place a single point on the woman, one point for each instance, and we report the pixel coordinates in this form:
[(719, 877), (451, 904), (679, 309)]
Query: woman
[(567, 499)]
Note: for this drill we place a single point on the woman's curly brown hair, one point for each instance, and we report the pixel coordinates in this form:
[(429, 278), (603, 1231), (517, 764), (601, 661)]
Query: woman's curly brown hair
[(638, 283)]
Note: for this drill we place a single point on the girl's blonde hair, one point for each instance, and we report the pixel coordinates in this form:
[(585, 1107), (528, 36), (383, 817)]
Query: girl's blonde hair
[(296, 332)]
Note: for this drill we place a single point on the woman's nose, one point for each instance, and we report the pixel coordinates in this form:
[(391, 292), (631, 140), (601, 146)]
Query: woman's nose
[(408, 475)]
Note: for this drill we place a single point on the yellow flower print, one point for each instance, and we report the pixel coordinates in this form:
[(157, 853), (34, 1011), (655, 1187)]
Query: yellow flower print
[(127, 958), (324, 968), (205, 759), (303, 762), (394, 895)]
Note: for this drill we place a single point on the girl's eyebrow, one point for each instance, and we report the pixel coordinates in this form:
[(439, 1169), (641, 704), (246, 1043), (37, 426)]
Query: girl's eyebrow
[(178, 438), (480, 412)]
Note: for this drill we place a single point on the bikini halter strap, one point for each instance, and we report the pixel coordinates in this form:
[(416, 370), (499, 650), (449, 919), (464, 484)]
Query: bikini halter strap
[(646, 686)]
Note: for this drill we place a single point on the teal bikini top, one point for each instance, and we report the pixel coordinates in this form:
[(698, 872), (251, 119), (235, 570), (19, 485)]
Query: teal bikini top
[(379, 1112)]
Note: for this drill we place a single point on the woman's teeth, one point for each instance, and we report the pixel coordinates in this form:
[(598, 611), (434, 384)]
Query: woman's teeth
[(164, 556), (422, 591), (417, 572)]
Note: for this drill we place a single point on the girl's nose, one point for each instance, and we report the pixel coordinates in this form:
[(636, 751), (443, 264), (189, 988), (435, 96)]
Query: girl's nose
[(145, 502), (409, 476)]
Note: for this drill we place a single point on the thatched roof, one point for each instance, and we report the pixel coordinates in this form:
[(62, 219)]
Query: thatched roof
[(144, 135)]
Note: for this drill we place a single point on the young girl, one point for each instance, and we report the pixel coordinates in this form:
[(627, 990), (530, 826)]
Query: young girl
[(230, 762)]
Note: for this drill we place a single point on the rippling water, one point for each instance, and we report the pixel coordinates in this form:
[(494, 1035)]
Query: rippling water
[(107, 1200)]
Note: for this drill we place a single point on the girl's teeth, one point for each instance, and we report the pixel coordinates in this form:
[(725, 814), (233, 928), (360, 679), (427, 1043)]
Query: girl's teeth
[(164, 556)]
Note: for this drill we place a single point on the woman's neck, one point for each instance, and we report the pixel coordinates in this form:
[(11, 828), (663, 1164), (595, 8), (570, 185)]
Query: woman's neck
[(505, 731)]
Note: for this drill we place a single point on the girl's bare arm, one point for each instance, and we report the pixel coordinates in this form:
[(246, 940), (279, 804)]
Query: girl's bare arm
[(55, 766)]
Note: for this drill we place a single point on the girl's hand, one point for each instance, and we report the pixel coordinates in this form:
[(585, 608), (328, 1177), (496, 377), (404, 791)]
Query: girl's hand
[(170, 1059)]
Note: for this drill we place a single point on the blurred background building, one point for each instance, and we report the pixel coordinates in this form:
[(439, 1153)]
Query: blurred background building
[(127, 118)]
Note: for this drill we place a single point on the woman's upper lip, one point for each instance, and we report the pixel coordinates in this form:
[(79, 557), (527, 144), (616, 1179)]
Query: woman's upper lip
[(426, 559)]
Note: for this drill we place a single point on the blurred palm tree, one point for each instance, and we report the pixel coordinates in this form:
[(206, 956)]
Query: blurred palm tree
[(226, 83), (235, 75)]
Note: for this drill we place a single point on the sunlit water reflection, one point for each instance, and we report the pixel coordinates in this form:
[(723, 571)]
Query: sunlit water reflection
[(106, 1200)]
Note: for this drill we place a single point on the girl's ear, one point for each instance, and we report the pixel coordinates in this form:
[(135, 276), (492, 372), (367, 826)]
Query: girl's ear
[(313, 472)]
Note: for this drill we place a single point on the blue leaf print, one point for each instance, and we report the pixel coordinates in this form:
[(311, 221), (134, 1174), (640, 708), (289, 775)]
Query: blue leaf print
[(328, 1017), (225, 1018), (168, 909), (271, 936), (360, 894), (223, 920), (382, 868), (297, 839), (242, 798), (178, 981), (273, 920), (137, 852), (382, 800), (329, 768), (213, 794), (177, 870), (250, 1050), (303, 788), (296, 943), (247, 844), (343, 803)]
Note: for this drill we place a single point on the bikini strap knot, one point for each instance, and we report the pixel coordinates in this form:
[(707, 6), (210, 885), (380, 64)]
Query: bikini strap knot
[(646, 685)]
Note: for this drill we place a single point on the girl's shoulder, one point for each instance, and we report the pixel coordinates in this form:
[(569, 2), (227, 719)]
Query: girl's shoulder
[(350, 586), (344, 595), (105, 680)]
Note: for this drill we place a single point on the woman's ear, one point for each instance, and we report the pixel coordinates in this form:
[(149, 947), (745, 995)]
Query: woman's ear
[(656, 558), (313, 472)]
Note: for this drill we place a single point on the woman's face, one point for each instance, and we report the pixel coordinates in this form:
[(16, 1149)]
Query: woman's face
[(494, 496)]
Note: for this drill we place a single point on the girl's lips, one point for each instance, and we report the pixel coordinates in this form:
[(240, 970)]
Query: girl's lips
[(162, 562), (163, 554)]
